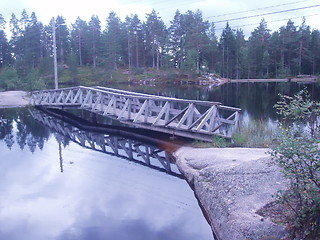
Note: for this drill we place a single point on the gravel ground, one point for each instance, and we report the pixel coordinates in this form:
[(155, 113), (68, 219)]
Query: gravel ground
[(12, 99)]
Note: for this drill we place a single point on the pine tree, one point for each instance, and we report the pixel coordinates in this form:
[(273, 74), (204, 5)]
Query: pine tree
[(95, 39), (79, 43), (304, 59), (258, 50), (62, 40), (228, 52), (289, 51), (176, 40), (114, 37), (241, 55), (155, 36), (134, 41), (315, 51), (5, 54)]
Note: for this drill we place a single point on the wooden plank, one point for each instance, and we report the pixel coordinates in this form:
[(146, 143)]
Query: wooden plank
[(163, 111), (111, 102), (199, 119), (142, 109), (186, 115), (178, 115), (77, 96), (206, 117), (125, 106)]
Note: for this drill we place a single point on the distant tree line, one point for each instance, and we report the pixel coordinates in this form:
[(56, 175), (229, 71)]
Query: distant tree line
[(189, 45)]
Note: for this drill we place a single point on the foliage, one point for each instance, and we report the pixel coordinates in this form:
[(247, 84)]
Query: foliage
[(219, 142), (9, 79), (254, 133), (299, 158), (33, 81), (188, 45), (297, 153), (300, 109)]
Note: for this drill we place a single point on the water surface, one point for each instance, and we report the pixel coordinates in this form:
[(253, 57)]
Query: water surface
[(53, 188)]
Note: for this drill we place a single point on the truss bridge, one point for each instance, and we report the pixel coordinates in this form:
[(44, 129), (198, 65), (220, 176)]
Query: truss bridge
[(188, 118)]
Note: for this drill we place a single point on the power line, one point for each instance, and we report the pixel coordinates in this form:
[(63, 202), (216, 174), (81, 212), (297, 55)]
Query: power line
[(265, 14), (278, 20), (256, 9)]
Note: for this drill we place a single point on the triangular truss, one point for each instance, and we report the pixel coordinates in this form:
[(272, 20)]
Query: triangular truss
[(190, 118)]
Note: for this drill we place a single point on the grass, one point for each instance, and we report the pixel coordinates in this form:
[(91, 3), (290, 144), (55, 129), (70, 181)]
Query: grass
[(256, 133)]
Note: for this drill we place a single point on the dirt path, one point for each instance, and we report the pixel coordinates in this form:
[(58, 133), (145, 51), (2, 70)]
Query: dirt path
[(12, 99)]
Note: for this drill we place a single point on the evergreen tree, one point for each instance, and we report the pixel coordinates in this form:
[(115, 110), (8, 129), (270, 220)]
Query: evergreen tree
[(241, 55), (62, 40), (79, 43), (304, 55), (315, 51), (5, 51), (114, 36), (228, 52), (155, 37), (176, 40), (289, 53), (134, 41), (95, 39), (259, 51), (196, 38), (275, 50), (212, 50)]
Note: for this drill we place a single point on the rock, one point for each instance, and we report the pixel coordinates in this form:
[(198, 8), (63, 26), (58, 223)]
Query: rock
[(232, 184)]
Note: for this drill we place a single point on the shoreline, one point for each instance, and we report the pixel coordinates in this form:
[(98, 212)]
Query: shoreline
[(232, 185), (222, 81), (13, 99)]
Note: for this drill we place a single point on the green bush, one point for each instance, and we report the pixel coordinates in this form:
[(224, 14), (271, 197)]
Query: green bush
[(297, 153), (9, 79), (219, 142)]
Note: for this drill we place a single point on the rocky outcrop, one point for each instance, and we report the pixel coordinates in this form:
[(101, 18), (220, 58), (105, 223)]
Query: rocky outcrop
[(232, 184)]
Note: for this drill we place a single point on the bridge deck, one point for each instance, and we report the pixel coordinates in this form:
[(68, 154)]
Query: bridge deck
[(189, 118)]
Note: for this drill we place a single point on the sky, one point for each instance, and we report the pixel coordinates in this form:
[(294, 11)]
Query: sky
[(217, 11)]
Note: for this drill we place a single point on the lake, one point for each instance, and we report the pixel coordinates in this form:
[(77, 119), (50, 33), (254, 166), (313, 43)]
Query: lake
[(61, 182), (52, 187), (258, 119)]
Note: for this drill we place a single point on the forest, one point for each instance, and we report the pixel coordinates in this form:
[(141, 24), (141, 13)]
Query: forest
[(90, 53)]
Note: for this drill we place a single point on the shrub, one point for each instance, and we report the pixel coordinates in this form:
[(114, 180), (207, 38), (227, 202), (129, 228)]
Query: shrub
[(297, 153)]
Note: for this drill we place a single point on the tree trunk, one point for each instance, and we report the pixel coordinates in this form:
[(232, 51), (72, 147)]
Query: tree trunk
[(129, 57), (300, 56), (79, 46), (158, 60)]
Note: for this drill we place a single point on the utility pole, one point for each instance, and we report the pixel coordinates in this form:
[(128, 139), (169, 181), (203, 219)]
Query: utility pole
[(55, 64)]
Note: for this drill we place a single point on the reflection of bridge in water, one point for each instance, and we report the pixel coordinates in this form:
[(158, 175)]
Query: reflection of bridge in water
[(130, 149), (188, 118)]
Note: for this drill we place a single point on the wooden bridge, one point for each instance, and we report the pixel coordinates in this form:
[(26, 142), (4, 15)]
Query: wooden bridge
[(188, 118), (130, 149)]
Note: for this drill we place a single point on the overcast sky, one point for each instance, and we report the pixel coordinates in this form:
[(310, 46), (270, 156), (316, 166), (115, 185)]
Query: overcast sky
[(211, 9)]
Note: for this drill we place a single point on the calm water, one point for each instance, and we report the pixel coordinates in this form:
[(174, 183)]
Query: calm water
[(255, 99), (52, 187), (55, 188), (258, 119)]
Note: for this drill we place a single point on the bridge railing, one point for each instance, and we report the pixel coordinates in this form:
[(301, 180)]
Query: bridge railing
[(180, 116)]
